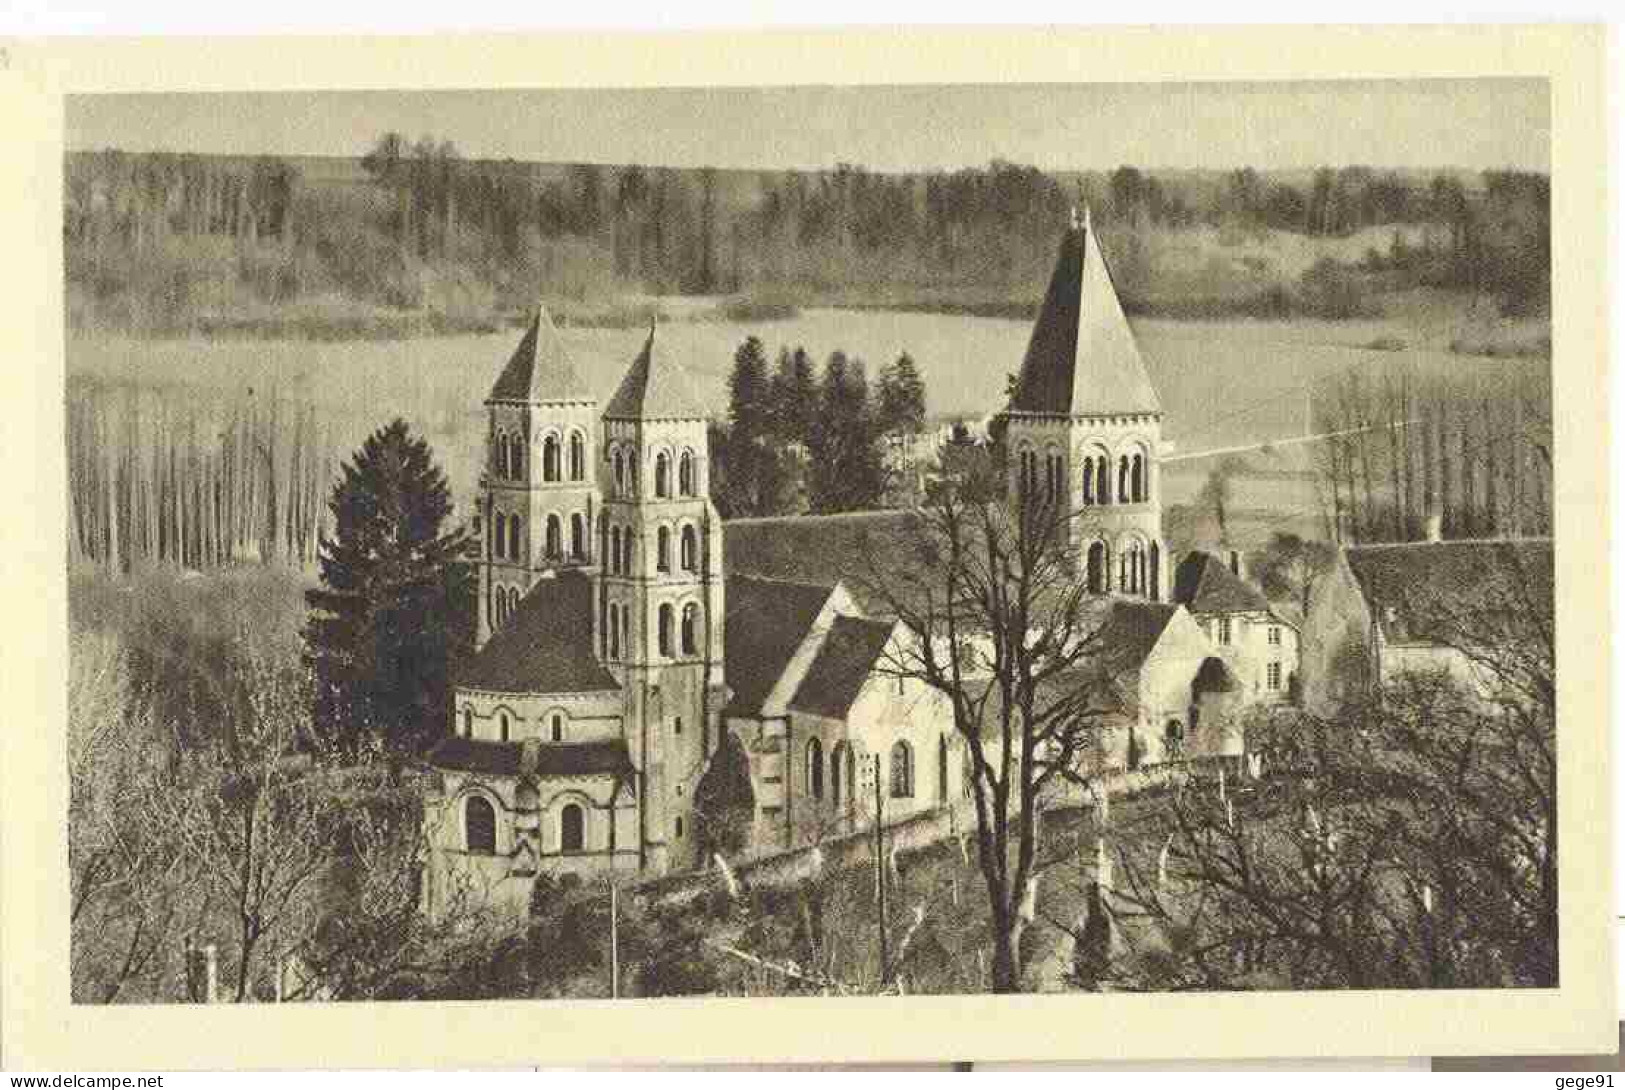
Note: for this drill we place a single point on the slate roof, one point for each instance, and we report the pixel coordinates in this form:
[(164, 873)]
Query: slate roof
[(767, 619), (603, 758), (1132, 628), (1205, 584), (1421, 592), (540, 368), (844, 662), (857, 550), (546, 646), (1082, 358), (656, 388)]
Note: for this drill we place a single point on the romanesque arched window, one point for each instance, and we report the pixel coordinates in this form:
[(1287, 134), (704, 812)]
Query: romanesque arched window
[(685, 474), (1095, 568), (815, 768), (1029, 474), (626, 551), (479, 826), (572, 828), (502, 726), (902, 771), (1123, 493), (502, 454), (553, 537), (468, 722), (1088, 480), (663, 548), (1137, 475), (615, 549), (499, 535), (691, 629), (556, 724), (620, 473), (662, 475), (578, 456), (666, 624), (840, 786), (1103, 479), (578, 536), (1156, 572), (614, 632), (550, 458), (516, 457), (1054, 483), (689, 549), (514, 522)]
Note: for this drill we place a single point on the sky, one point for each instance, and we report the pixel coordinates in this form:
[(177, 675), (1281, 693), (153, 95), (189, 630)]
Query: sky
[(1474, 124)]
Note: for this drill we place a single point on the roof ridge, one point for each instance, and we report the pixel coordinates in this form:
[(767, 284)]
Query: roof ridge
[(853, 516), (754, 577), (1534, 539)]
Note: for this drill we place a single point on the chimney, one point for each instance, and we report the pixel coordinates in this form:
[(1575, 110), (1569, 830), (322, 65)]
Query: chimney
[(1435, 527)]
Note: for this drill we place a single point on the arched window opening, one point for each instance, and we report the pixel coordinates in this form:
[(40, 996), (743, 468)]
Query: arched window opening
[(513, 538), (815, 768), (839, 786), (1138, 475), (572, 828), (620, 474), (1103, 480), (479, 826), (1088, 481), (626, 552), (516, 455), (578, 457), (578, 537), (1123, 494), (1095, 568), (1156, 573), (499, 536), (662, 475), (558, 726), (679, 827), (614, 632), (553, 537), (665, 630), (685, 474), (550, 458), (690, 549), (499, 454), (615, 550), (468, 722), (691, 626), (902, 771), (502, 724), (663, 549)]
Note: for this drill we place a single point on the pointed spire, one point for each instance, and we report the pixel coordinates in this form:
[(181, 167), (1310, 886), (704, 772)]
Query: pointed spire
[(540, 368), (1082, 358), (655, 388)]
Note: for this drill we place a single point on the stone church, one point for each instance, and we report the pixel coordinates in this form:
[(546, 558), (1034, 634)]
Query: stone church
[(627, 635)]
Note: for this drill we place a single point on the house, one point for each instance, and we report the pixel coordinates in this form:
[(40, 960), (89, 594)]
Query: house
[(1430, 607), (627, 636), (1258, 641)]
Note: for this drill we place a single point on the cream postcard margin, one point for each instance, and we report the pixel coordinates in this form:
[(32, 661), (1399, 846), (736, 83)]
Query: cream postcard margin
[(40, 1029)]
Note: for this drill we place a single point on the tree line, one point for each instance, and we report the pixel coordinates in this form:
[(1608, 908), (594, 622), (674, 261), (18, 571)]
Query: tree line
[(796, 440)]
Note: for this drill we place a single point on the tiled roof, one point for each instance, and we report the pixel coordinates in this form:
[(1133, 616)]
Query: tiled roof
[(842, 665), (1204, 584), (605, 758), (656, 388), (546, 646), (1430, 591), (767, 619), (1082, 357), (1132, 628), (540, 368), (858, 551)]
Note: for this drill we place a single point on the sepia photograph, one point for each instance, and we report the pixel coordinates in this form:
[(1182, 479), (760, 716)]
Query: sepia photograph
[(817, 541)]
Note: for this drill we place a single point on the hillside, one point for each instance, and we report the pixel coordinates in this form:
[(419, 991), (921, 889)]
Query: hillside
[(412, 239)]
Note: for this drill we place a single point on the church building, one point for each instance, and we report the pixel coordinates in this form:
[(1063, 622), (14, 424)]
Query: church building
[(627, 636)]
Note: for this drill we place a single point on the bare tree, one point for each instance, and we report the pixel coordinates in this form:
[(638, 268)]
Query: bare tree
[(1000, 624)]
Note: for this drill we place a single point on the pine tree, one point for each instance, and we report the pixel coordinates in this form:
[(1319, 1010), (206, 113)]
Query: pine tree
[(749, 407), (384, 622), (902, 397), (847, 472), (794, 397)]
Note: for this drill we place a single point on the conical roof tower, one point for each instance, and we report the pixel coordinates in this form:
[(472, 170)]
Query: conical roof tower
[(540, 369), (1082, 359), (655, 388)]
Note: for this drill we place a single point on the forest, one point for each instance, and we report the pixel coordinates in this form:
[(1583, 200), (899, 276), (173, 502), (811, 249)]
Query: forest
[(411, 237)]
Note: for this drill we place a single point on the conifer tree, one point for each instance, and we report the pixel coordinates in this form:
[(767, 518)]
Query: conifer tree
[(902, 397), (383, 624)]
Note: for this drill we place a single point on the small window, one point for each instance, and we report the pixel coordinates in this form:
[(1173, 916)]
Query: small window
[(815, 768), (679, 828), (1224, 630), (468, 722), (677, 729), (663, 549), (689, 549), (550, 458), (1275, 635), (571, 828), (503, 720), (662, 476), (1272, 676), (479, 826), (620, 475), (691, 625), (665, 630), (902, 771), (685, 474), (558, 727), (578, 537), (513, 539), (578, 457)]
